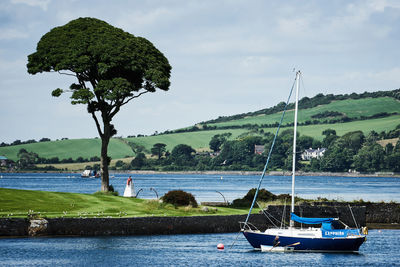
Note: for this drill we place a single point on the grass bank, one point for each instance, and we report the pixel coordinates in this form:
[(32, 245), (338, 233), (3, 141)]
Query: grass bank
[(15, 203)]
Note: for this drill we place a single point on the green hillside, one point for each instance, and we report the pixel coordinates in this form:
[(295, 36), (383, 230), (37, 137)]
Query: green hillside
[(198, 140), (72, 148), (352, 108), (366, 126), (120, 148)]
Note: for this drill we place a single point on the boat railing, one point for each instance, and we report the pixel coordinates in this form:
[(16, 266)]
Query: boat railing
[(247, 226)]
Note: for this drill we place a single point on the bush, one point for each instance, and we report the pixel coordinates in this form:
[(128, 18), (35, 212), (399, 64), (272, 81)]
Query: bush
[(179, 198), (263, 195)]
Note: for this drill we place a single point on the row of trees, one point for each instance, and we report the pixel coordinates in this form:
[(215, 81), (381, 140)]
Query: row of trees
[(352, 151), (30, 141), (28, 160)]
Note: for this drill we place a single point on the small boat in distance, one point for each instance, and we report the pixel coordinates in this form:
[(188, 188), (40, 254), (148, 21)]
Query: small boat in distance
[(90, 174), (332, 236)]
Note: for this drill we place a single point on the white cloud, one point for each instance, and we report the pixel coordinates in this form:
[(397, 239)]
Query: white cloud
[(10, 34), (43, 4)]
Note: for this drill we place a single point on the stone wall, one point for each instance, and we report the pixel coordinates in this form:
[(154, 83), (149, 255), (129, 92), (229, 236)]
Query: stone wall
[(146, 225), (14, 227), (385, 213)]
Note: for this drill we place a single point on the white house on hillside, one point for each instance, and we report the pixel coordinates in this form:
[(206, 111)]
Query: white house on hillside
[(310, 153)]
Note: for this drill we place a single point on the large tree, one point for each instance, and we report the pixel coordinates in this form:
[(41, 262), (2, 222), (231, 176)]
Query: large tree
[(112, 67), (158, 150)]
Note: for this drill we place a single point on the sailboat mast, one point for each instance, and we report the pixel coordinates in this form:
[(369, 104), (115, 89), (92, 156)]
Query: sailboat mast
[(294, 142)]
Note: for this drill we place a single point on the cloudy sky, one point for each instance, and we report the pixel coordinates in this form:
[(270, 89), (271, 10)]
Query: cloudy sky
[(228, 57)]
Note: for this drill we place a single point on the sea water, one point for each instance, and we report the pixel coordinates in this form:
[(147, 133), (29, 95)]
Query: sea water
[(381, 249), (214, 187)]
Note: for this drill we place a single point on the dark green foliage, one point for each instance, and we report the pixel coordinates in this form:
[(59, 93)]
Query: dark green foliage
[(327, 114), (353, 140), (182, 155), (139, 161), (338, 158), (27, 160), (158, 150), (179, 198), (305, 142), (218, 140), (370, 158), (262, 196)]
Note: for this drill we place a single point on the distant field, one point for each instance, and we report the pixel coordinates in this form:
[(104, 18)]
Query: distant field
[(198, 140), (73, 148), (351, 107), (378, 125)]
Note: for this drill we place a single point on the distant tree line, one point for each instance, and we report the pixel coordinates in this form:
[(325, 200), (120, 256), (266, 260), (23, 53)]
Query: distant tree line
[(30, 141), (28, 160), (352, 151)]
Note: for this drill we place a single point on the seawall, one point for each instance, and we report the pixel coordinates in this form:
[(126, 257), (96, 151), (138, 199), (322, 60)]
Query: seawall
[(124, 226), (374, 215)]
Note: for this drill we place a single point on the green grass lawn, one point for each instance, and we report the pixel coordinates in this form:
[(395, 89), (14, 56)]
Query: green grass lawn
[(16, 203)]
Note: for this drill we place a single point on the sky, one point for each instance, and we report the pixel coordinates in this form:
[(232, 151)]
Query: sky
[(227, 57)]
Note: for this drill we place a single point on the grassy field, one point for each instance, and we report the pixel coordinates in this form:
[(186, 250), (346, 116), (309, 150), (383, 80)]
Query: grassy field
[(198, 140), (378, 125), (73, 148), (16, 203), (350, 107)]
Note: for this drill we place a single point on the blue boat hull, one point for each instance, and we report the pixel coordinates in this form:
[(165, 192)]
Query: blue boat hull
[(256, 239)]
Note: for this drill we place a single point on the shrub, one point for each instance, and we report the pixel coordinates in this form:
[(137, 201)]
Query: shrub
[(263, 195), (179, 198)]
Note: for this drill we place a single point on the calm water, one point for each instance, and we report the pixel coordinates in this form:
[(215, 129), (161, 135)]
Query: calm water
[(204, 187), (381, 249)]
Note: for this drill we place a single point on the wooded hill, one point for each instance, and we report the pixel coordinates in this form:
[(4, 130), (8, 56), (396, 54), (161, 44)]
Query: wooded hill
[(378, 112)]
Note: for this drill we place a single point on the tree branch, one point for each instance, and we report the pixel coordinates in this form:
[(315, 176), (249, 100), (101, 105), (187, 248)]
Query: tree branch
[(98, 126), (118, 106), (69, 74), (135, 96)]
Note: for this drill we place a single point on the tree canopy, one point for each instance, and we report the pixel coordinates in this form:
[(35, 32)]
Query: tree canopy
[(111, 66)]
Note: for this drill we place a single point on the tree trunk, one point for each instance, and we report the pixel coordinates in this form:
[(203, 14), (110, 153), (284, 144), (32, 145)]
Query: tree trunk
[(104, 164), (105, 139)]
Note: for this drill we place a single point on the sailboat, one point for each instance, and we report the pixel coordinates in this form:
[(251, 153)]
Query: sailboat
[(332, 236)]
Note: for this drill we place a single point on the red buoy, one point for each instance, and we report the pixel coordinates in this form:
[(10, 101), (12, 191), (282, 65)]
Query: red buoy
[(220, 246)]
